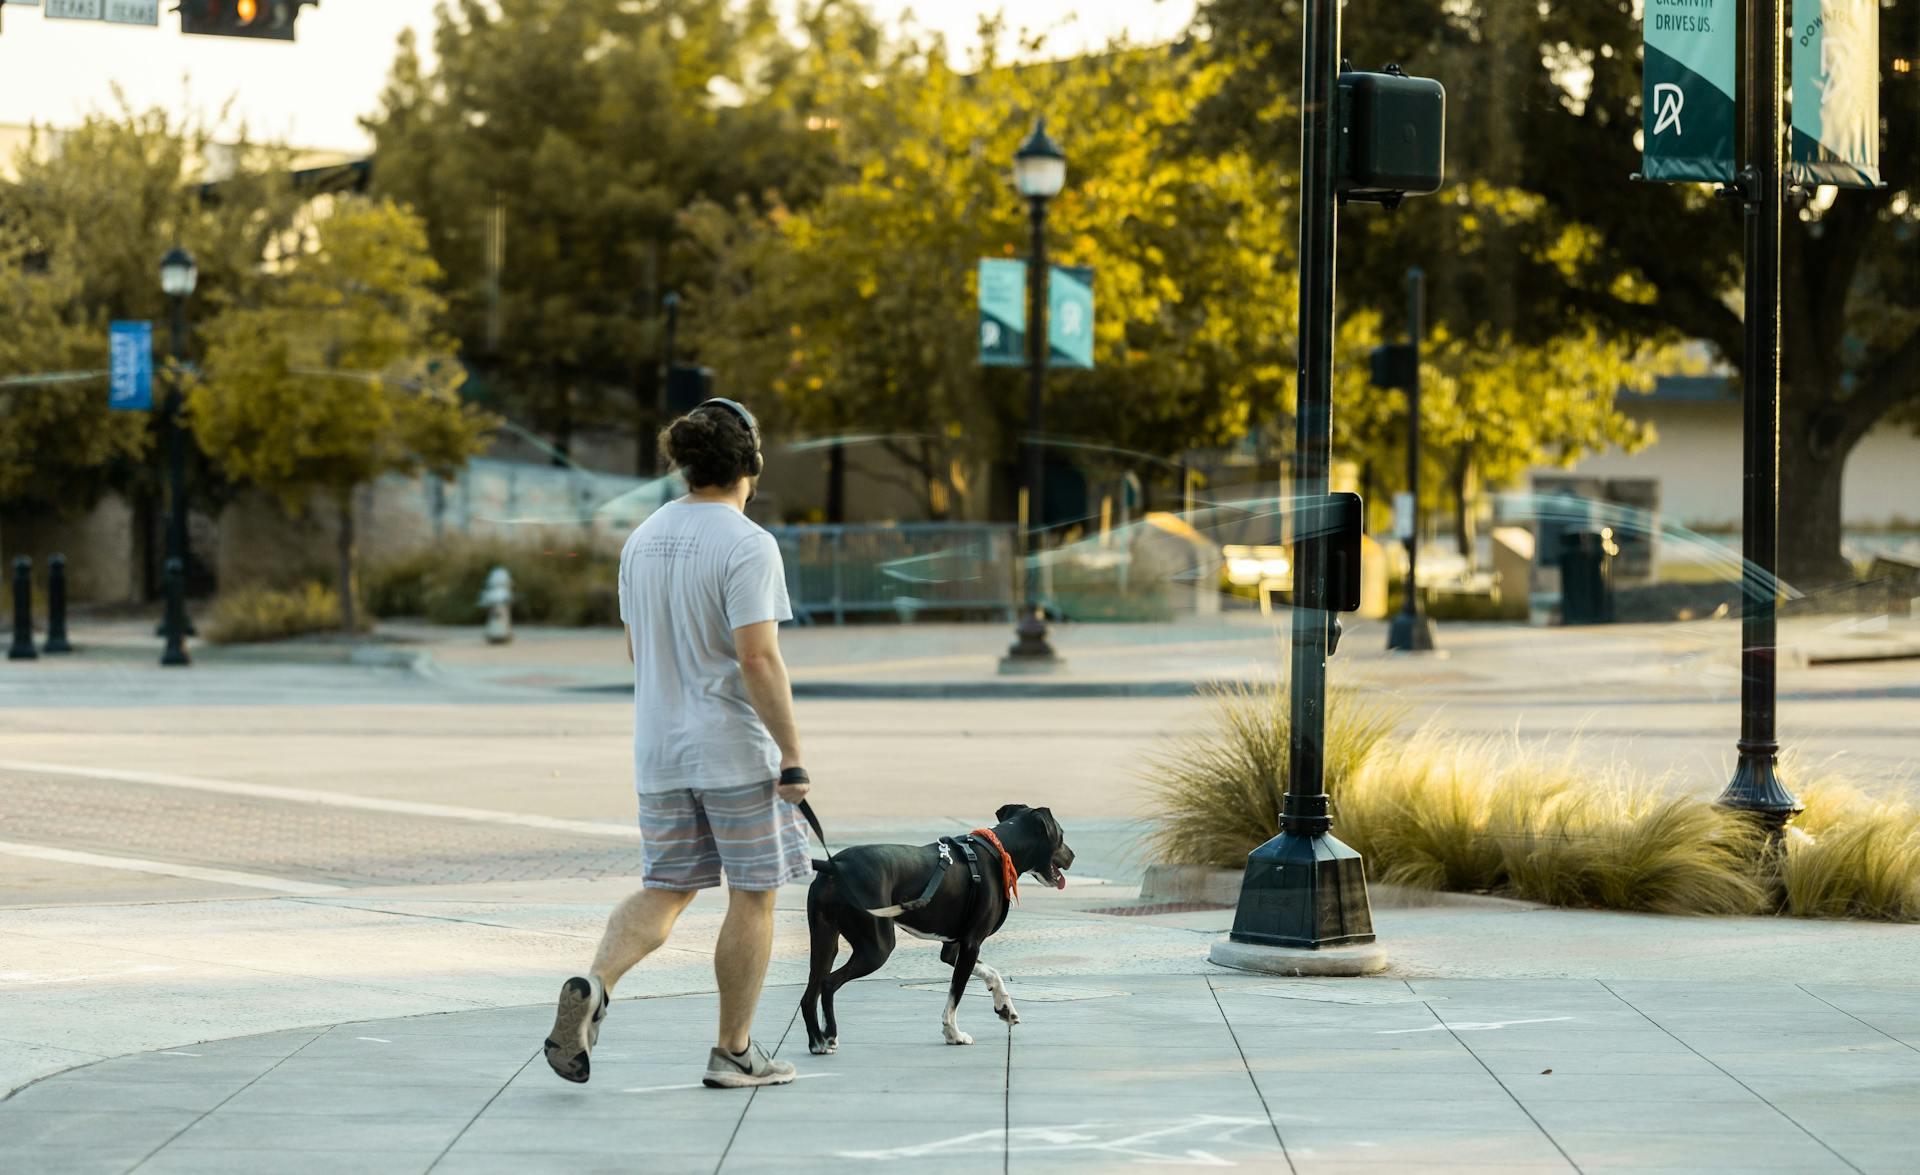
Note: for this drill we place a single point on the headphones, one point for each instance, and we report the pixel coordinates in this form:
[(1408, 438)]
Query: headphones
[(746, 418)]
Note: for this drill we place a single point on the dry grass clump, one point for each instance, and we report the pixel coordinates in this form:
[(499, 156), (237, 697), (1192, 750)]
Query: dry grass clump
[(1218, 791), (271, 614), (1860, 857)]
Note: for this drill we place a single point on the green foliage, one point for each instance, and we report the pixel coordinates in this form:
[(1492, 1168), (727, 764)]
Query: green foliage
[(551, 585), (337, 374), (585, 127), (270, 614), (83, 225)]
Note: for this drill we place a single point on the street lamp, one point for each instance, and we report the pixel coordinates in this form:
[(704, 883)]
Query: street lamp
[(1039, 172), (178, 277)]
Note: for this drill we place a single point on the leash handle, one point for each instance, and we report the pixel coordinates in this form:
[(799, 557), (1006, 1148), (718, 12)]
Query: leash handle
[(798, 775)]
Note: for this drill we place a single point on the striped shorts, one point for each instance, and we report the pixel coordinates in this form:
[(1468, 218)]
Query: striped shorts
[(689, 834)]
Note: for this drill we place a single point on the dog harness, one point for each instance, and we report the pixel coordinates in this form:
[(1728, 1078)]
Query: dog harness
[(946, 846), (1010, 876)]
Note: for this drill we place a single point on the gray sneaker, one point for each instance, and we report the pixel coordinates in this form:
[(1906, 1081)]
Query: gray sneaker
[(576, 1027), (753, 1067)]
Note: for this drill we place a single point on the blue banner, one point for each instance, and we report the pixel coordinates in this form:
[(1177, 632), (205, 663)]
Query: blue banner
[(1003, 314), (131, 385), (1836, 92), (1686, 91)]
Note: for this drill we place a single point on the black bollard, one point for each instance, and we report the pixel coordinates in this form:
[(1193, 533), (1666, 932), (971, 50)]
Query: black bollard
[(22, 649), (176, 618), (57, 606)]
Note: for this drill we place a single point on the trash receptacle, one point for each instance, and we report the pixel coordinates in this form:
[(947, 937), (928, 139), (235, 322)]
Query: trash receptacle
[(1586, 580)]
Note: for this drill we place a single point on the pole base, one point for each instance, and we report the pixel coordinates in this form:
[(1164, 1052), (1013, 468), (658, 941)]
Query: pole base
[(1410, 633), (1030, 652), (1757, 787), (1365, 959), (1305, 892), (24, 652), (57, 644)]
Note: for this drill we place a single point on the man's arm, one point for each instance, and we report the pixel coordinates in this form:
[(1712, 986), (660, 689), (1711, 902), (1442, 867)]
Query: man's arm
[(628, 629), (771, 692)]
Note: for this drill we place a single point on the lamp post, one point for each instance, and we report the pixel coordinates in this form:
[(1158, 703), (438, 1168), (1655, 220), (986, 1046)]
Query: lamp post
[(1756, 786), (178, 276), (1039, 172)]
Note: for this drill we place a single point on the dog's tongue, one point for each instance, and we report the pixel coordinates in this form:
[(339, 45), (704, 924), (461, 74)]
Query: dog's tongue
[(1060, 880)]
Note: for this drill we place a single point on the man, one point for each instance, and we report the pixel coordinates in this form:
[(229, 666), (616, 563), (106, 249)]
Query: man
[(702, 593)]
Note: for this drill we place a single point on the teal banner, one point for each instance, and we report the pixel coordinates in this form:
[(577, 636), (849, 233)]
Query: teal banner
[(1836, 92), (1003, 314), (1686, 91)]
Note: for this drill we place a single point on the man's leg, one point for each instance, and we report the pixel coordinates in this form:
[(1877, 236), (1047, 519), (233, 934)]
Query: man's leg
[(740, 963), (637, 927)]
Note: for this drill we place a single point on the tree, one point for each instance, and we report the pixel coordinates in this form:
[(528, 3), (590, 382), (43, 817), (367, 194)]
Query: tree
[(860, 310), (338, 374), (1541, 235), (551, 149), (83, 226)]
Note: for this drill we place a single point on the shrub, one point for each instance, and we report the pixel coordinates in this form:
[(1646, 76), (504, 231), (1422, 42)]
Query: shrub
[(269, 614), (572, 586), (1857, 858)]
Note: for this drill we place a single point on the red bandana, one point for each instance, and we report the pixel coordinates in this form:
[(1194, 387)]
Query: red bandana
[(1012, 875)]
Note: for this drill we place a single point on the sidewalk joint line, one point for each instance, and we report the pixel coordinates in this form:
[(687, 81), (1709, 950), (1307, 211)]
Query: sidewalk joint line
[(754, 1092), (204, 1115), (1883, 1032), (1251, 1079), (1006, 1110), (1544, 1132), (1743, 1085), (483, 1109)]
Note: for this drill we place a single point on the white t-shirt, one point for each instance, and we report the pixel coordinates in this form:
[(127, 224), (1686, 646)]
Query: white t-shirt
[(689, 575)]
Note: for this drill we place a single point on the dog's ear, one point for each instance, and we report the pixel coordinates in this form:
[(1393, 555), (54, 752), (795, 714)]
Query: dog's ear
[(1008, 812)]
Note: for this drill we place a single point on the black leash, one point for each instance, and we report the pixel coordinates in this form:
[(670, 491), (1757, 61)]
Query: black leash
[(798, 775)]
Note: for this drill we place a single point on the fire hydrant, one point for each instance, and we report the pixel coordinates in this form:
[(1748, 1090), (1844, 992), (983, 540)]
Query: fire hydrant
[(497, 599)]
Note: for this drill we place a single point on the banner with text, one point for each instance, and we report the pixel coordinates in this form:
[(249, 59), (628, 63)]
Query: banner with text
[(1003, 314), (1836, 92), (1686, 91)]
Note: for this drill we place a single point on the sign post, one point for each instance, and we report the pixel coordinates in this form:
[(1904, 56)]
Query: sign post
[(130, 375)]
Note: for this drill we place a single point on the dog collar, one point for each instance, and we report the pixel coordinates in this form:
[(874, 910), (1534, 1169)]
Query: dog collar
[(1011, 875)]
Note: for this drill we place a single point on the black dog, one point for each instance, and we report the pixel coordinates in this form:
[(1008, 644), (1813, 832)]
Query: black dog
[(956, 890)]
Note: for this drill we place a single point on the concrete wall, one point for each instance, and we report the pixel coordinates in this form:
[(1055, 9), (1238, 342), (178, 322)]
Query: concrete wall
[(99, 545)]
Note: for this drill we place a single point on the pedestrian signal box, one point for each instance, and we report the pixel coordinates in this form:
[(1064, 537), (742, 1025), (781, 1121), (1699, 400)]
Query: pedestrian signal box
[(1393, 136)]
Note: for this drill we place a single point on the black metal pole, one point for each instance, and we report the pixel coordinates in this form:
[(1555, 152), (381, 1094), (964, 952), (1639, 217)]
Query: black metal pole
[(1303, 888), (1031, 646), (57, 606), (1412, 631), (22, 647), (175, 621), (1756, 786)]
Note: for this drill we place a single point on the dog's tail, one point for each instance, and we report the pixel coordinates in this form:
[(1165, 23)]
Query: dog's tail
[(826, 866)]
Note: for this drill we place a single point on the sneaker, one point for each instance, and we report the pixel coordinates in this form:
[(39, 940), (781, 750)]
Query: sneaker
[(753, 1067), (576, 1027)]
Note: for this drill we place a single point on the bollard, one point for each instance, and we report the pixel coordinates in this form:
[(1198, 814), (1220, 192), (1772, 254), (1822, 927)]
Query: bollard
[(57, 606), (22, 649), (176, 618)]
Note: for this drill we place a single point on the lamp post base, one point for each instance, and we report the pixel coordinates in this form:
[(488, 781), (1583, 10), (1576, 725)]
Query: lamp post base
[(1410, 632), (1758, 788), (1030, 652), (1365, 959), (1304, 892)]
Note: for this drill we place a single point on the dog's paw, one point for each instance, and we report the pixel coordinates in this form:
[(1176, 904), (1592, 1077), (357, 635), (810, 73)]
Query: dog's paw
[(821, 1048), (1006, 1012), (955, 1036)]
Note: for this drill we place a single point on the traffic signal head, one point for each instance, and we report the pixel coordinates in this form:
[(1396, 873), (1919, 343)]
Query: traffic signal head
[(1393, 136), (266, 19)]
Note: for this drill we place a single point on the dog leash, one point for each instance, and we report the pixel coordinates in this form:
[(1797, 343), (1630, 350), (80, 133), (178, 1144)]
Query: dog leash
[(794, 776)]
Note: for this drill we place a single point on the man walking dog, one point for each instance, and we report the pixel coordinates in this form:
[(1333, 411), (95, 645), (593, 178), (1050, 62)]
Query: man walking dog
[(702, 593)]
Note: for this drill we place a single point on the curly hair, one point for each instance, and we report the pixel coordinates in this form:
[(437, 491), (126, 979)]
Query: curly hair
[(710, 447)]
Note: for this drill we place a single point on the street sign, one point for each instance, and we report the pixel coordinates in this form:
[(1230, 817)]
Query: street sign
[(1836, 92), (130, 384), (75, 9), (1003, 313), (1070, 316), (146, 12), (1403, 516), (1686, 91)]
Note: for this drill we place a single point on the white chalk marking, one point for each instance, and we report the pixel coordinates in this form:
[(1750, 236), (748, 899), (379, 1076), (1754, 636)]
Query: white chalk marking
[(178, 1053), (702, 1085), (1470, 1026), (168, 869), (374, 1039), (304, 795), (31, 978)]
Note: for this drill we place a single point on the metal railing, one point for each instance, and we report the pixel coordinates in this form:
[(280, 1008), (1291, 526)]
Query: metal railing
[(908, 568)]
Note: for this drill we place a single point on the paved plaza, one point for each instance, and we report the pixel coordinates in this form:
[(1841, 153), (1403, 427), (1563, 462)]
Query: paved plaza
[(303, 910)]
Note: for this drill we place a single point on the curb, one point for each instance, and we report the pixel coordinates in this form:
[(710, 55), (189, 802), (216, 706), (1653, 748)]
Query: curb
[(1221, 887), (961, 690)]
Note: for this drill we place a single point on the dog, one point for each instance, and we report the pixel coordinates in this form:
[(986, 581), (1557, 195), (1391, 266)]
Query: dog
[(931, 892)]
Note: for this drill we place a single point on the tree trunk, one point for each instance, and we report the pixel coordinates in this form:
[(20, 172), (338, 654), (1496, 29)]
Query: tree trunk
[(349, 616), (1460, 478), (1813, 465)]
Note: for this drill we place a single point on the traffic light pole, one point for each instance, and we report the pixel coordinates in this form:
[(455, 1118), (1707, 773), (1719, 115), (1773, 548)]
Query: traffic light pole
[(1304, 892), (1756, 786), (1412, 631)]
